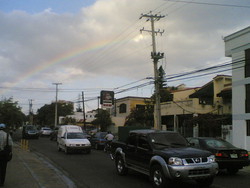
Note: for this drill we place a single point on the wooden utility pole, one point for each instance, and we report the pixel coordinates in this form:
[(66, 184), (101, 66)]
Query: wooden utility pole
[(30, 112), (56, 102), (83, 111), (155, 56)]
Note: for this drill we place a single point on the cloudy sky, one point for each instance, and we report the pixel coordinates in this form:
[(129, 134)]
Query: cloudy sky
[(94, 45)]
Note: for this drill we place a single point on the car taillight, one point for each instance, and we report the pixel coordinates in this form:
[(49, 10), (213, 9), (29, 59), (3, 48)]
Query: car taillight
[(221, 154), (218, 154), (244, 155), (100, 141)]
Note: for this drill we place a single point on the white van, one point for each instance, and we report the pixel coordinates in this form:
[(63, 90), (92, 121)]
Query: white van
[(71, 138)]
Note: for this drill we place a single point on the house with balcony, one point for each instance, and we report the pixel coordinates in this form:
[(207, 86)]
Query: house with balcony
[(237, 46), (203, 111)]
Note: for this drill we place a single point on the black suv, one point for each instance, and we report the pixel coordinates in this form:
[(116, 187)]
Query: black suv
[(30, 131)]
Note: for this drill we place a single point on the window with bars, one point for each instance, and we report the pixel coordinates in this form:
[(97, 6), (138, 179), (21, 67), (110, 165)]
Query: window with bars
[(123, 108)]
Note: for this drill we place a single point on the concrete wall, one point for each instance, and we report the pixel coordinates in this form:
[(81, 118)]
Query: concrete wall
[(235, 46)]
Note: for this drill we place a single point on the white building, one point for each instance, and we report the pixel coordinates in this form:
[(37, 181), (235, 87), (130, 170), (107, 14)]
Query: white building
[(78, 116), (237, 46)]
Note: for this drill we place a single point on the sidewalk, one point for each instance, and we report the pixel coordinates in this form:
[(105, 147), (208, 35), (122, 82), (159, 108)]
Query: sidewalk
[(28, 170)]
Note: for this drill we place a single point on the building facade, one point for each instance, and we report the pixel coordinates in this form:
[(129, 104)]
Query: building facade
[(200, 111), (237, 46), (123, 107)]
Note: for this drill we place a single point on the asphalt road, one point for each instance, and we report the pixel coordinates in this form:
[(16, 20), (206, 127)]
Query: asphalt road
[(97, 170)]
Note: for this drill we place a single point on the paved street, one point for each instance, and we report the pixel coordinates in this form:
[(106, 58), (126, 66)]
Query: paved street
[(96, 170)]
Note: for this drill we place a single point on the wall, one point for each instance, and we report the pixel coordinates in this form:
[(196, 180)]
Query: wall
[(235, 45)]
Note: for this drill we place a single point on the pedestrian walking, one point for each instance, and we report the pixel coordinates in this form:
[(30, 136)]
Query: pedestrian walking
[(5, 152)]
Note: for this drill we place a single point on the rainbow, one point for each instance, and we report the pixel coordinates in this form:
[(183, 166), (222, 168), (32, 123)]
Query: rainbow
[(60, 59)]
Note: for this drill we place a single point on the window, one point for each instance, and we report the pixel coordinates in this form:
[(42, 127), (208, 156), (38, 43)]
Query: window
[(140, 107), (132, 140), (206, 101), (123, 108), (247, 63), (248, 98), (142, 142), (195, 142), (248, 127)]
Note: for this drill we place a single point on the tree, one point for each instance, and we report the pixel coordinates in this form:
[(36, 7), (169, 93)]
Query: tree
[(11, 114), (141, 116), (46, 114), (165, 94), (103, 119)]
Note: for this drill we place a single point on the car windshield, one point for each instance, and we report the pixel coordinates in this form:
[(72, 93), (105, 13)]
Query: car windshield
[(46, 129), (218, 143), (160, 140), (75, 136), (31, 128)]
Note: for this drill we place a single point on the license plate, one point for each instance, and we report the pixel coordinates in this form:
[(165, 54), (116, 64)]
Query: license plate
[(234, 156)]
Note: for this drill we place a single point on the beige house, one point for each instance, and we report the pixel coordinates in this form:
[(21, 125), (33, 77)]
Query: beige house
[(123, 107), (193, 108)]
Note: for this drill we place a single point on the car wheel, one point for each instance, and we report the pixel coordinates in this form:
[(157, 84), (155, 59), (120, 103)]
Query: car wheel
[(66, 150), (205, 182), (232, 171), (158, 178), (120, 166), (58, 147)]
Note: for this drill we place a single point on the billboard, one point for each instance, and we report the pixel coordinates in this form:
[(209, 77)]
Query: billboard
[(107, 98)]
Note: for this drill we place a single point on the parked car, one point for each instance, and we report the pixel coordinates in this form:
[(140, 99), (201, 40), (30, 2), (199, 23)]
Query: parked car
[(227, 156), (97, 140), (45, 131), (70, 138), (30, 131)]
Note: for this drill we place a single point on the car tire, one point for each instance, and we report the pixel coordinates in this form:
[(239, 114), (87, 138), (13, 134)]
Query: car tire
[(232, 171), (58, 147), (120, 166), (205, 182), (158, 178), (66, 150)]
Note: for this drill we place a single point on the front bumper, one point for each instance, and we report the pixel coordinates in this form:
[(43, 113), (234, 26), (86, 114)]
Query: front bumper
[(189, 172), (79, 148)]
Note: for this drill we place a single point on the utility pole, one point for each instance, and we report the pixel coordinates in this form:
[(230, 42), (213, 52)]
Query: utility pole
[(30, 112), (155, 56), (56, 102), (83, 111)]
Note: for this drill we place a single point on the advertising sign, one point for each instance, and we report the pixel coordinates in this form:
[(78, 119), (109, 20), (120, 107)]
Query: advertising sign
[(107, 98)]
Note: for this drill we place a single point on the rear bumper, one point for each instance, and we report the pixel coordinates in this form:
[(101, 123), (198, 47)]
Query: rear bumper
[(232, 163)]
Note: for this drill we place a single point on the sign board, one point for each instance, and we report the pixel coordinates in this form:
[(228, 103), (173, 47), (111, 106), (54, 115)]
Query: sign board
[(107, 98)]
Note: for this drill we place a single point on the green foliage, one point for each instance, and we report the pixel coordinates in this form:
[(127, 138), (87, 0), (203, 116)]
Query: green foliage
[(103, 119), (10, 113), (162, 77), (46, 114), (143, 116), (165, 94)]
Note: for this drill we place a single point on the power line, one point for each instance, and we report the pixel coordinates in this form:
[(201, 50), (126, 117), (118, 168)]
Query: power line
[(212, 4)]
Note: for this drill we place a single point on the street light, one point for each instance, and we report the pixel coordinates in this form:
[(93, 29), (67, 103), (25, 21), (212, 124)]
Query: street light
[(56, 102)]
